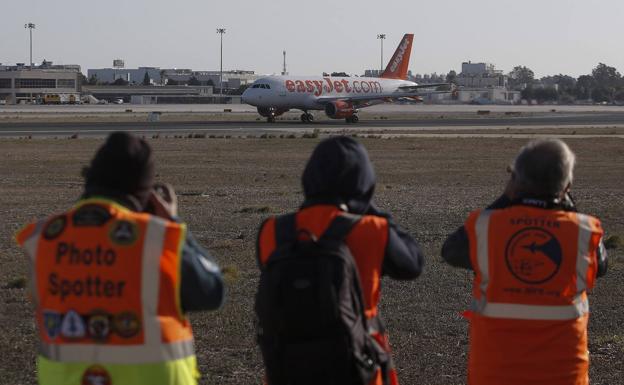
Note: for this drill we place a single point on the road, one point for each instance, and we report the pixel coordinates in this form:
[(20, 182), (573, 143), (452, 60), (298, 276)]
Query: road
[(244, 127)]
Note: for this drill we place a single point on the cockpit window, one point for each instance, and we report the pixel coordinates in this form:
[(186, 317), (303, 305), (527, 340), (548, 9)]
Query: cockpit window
[(265, 86)]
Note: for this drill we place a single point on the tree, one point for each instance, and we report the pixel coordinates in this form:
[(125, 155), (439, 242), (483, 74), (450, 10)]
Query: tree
[(120, 82), (520, 77), (608, 80), (451, 77), (584, 86), (606, 76), (527, 93), (193, 81), (93, 80), (548, 94), (82, 80), (146, 79)]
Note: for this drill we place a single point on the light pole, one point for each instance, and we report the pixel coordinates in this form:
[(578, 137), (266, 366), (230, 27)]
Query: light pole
[(30, 26), (221, 31), (382, 37)]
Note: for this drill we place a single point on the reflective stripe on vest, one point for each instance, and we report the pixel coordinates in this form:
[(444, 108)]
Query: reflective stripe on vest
[(153, 349), (31, 245), (118, 354), (578, 308)]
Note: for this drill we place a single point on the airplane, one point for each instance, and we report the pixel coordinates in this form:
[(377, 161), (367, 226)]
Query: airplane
[(339, 97)]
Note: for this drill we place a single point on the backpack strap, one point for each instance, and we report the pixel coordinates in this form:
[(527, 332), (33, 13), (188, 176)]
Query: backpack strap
[(340, 227), (285, 229)]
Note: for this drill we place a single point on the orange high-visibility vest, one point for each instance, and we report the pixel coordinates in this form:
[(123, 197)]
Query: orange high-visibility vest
[(533, 268), (105, 284), (367, 243)]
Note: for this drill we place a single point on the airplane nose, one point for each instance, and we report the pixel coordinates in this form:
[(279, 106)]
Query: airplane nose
[(245, 97)]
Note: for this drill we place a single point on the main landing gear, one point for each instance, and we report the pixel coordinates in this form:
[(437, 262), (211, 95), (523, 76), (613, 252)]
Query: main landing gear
[(307, 117), (352, 119)]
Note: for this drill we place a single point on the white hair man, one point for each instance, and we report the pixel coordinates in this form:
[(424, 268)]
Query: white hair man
[(534, 259)]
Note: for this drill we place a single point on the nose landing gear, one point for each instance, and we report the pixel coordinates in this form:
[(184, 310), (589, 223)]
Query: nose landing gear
[(307, 117)]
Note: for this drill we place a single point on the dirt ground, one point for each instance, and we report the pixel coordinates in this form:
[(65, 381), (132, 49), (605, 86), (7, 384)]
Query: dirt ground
[(227, 186)]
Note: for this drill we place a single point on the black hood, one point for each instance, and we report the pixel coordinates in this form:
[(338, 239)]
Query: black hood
[(122, 166), (339, 172)]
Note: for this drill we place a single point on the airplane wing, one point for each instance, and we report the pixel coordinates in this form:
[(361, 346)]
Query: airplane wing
[(364, 100), (425, 86)]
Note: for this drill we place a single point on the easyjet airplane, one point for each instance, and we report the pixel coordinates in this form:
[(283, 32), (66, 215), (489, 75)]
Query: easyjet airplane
[(339, 97)]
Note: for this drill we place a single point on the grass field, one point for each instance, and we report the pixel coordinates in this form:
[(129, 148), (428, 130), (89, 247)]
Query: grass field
[(227, 186)]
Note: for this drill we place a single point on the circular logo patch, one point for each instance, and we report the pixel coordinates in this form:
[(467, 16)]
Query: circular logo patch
[(533, 255), (95, 375), (126, 324), (55, 227), (123, 233), (99, 325)]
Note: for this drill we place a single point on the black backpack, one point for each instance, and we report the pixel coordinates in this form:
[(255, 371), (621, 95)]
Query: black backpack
[(311, 325)]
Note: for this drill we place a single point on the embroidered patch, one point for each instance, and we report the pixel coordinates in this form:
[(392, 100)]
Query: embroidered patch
[(533, 255), (126, 324), (91, 215), (52, 323), (96, 375), (99, 325), (55, 227), (73, 326), (123, 233)]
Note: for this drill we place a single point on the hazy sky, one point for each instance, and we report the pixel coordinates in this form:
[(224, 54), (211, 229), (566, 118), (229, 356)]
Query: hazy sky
[(549, 36)]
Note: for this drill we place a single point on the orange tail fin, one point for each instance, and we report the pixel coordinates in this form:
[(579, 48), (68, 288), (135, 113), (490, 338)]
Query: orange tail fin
[(397, 67)]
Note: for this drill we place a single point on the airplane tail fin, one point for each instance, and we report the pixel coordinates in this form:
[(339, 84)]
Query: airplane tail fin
[(398, 65)]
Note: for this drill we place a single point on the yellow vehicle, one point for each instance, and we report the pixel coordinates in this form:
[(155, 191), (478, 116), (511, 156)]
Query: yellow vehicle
[(51, 99)]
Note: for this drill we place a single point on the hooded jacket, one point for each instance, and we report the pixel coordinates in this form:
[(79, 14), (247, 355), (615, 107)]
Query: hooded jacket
[(340, 173)]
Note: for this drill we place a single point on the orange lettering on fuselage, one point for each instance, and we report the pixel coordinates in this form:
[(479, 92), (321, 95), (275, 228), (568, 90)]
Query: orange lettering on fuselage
[(327, 85)]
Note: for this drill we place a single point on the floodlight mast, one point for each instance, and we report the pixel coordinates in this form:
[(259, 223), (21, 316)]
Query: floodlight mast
[(381, 37), (30, 27), (221, 31)]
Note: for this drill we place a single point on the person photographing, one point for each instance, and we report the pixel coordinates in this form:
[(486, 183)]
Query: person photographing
[(114, 276), (535, 259)]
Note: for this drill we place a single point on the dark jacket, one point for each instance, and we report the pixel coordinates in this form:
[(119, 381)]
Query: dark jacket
[(456, 249), (339, 172), (202, 286)]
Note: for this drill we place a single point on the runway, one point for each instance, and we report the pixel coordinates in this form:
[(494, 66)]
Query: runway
[(233, 127)]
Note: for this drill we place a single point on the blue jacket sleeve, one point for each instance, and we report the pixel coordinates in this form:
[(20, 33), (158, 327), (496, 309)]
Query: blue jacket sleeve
[(202, 286), (403, 257), (456, 248)]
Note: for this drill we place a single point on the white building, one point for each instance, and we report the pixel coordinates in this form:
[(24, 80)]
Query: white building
[(21, 83), (109, 75), (480, 75)]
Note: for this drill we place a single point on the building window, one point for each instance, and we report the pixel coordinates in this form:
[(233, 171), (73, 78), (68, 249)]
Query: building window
[(65, 83), (5, 83), (35, 83)]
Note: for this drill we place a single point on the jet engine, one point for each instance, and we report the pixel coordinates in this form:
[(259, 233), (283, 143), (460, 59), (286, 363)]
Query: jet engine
[(340, 109)]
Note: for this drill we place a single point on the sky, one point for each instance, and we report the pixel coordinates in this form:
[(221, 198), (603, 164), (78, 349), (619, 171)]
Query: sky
[(548, 36)]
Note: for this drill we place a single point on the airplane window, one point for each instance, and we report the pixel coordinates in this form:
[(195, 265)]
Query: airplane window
[(256, 86), (268, 87), (262, 86)]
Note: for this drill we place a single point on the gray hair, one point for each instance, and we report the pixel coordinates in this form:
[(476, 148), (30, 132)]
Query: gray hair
[(544, 167)]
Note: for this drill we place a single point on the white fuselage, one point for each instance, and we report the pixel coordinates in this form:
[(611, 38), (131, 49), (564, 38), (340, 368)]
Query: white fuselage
[(303, 92)]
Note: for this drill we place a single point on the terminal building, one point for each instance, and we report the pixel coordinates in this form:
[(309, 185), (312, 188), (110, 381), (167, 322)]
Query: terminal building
[(47, 82), (480, 75), (232, 80)]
